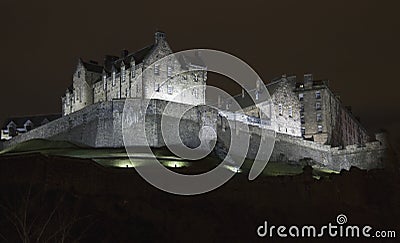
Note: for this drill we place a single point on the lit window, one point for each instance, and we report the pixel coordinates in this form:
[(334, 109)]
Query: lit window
[(301, 97), (280, 109), (318, 106), (318, 94), (290, 111), (169, 71), (257, 95), (123, 73), (319, 117), (113, 78), (157, 69), (319, 128), (169, 89)]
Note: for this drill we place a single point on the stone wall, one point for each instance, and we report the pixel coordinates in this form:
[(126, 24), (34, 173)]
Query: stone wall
[(100, 125)]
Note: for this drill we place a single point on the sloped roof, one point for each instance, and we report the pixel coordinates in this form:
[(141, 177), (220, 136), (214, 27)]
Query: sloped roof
[(93, 67), (36, 120), (138, 56), (246, 100)]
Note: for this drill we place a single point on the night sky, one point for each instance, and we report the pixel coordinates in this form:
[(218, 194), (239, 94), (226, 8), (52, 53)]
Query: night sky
[(354, 44)]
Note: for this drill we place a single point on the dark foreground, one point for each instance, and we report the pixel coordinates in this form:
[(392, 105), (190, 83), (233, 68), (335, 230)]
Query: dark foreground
[(46, 198)]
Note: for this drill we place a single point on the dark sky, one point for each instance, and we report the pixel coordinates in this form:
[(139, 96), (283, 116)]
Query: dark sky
[(354, 44)]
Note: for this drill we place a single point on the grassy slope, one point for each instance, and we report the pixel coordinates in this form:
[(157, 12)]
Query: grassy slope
[(119, 158)]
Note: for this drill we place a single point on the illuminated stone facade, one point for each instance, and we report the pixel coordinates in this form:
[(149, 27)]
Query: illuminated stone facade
[(124, 77), (324, 118)]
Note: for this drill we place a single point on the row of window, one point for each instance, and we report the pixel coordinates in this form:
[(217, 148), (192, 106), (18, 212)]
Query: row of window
[(318, 118), (114, 77), (317, 95), (319, 130), (280, 109), (318, 107), (157, 70), (170, 89)]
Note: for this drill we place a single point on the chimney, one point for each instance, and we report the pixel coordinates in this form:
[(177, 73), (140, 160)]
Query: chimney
[(159, 36), (124, 53), (109, 60), (308, 77)]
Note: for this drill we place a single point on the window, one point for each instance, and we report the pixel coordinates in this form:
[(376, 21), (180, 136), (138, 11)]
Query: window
[(290, 111), (195, 77), (195, 92), (319, 117), (302, 119), (104, 82), (257, 95), (113, 78), (301, 97), (157, 87), (169, 89), (319, 128), (318, 94), (318, 106), (133, 72), (157, 69), (280, 109), (123, 73), (302, 108), (169, 71), (79, 74), (303, 131)]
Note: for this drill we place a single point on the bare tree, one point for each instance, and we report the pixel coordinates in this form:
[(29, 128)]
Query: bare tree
[(43, 216)]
